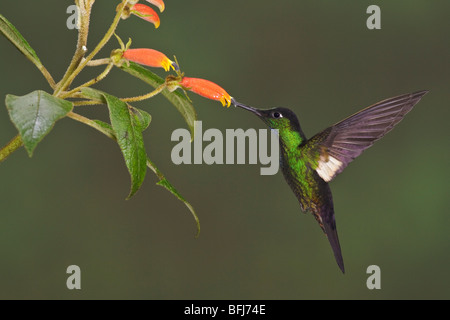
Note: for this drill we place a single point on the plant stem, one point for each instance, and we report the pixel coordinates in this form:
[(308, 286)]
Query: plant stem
[(98, 62), (71, 74), (86, 103), (92, 124), (12, 146), (84, 19), (48, 77), (100, 77), (71, 94), (146, 96)]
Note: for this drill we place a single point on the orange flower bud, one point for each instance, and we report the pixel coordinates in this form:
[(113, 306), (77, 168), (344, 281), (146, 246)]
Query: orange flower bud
[(158, 3), (206, 89), (146, 13), (150, 58)]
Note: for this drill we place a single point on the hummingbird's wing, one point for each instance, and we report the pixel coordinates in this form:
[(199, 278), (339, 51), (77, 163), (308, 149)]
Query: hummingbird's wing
[(339, 144)]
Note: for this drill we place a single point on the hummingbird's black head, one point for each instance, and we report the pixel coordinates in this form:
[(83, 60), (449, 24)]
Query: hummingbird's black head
[(275, 118)]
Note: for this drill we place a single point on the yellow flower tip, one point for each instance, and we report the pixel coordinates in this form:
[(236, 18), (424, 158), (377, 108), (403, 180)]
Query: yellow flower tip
[(166, 63), (159, 3), (226, 100)]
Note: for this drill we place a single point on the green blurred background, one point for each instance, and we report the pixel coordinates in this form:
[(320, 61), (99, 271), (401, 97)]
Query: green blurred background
[(67, 204)]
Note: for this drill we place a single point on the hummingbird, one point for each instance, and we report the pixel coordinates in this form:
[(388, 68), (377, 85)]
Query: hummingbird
[(308, 165)]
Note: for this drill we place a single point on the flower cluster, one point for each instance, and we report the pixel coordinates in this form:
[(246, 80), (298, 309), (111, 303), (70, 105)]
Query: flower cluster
[(155, 59)]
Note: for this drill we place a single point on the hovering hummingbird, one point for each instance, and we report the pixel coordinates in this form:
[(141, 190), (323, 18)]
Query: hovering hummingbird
[(309, 164)]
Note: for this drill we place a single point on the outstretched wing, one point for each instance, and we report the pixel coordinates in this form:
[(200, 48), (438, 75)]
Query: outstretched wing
[(339, 144)]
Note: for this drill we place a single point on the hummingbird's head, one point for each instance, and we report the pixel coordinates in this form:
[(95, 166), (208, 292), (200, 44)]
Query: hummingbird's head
[(275, 118)]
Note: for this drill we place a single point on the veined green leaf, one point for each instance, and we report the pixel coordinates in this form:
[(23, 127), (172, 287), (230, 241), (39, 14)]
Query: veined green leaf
[(163, 182), (127, 123), (183, 105), (94, 94), (141, 116), (107, 129), (35, 114), (145, 120), (13, 35)]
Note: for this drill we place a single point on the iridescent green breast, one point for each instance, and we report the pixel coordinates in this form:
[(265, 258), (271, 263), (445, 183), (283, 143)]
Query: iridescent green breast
[(302, 179)]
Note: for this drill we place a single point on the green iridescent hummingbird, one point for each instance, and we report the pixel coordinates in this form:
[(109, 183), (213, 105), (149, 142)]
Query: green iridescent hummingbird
[(308, 165)]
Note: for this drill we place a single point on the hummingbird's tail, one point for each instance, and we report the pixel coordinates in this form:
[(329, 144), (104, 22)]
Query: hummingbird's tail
[(326, 220), (331, 232)]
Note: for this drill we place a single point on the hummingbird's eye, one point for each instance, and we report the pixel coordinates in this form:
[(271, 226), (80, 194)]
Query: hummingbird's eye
[(277, 115)]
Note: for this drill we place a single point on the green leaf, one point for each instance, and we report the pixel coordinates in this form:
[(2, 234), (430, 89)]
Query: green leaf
[(142, 116), (128, 123), (183, 105), (94, 94), (163, 182), (13, 35), (144, 119), (106, 129), (105, 126), (35, 114)]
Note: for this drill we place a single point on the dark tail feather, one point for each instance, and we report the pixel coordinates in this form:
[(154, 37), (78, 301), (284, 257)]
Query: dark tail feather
[(325, 217), (331, 232)]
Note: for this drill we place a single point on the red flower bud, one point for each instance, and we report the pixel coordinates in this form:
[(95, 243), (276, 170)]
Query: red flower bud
[(150, 58), (206, 89), (158, 3), (146, 13)]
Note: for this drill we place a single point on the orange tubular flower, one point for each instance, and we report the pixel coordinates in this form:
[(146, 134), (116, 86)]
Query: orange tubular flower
[(207, 89), (146, 13), (158, 3), (150, 58)]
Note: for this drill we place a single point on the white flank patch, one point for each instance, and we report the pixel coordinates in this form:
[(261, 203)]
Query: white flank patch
[(327, 169)]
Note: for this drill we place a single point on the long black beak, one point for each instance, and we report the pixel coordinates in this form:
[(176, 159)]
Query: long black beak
[(243, 106)]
